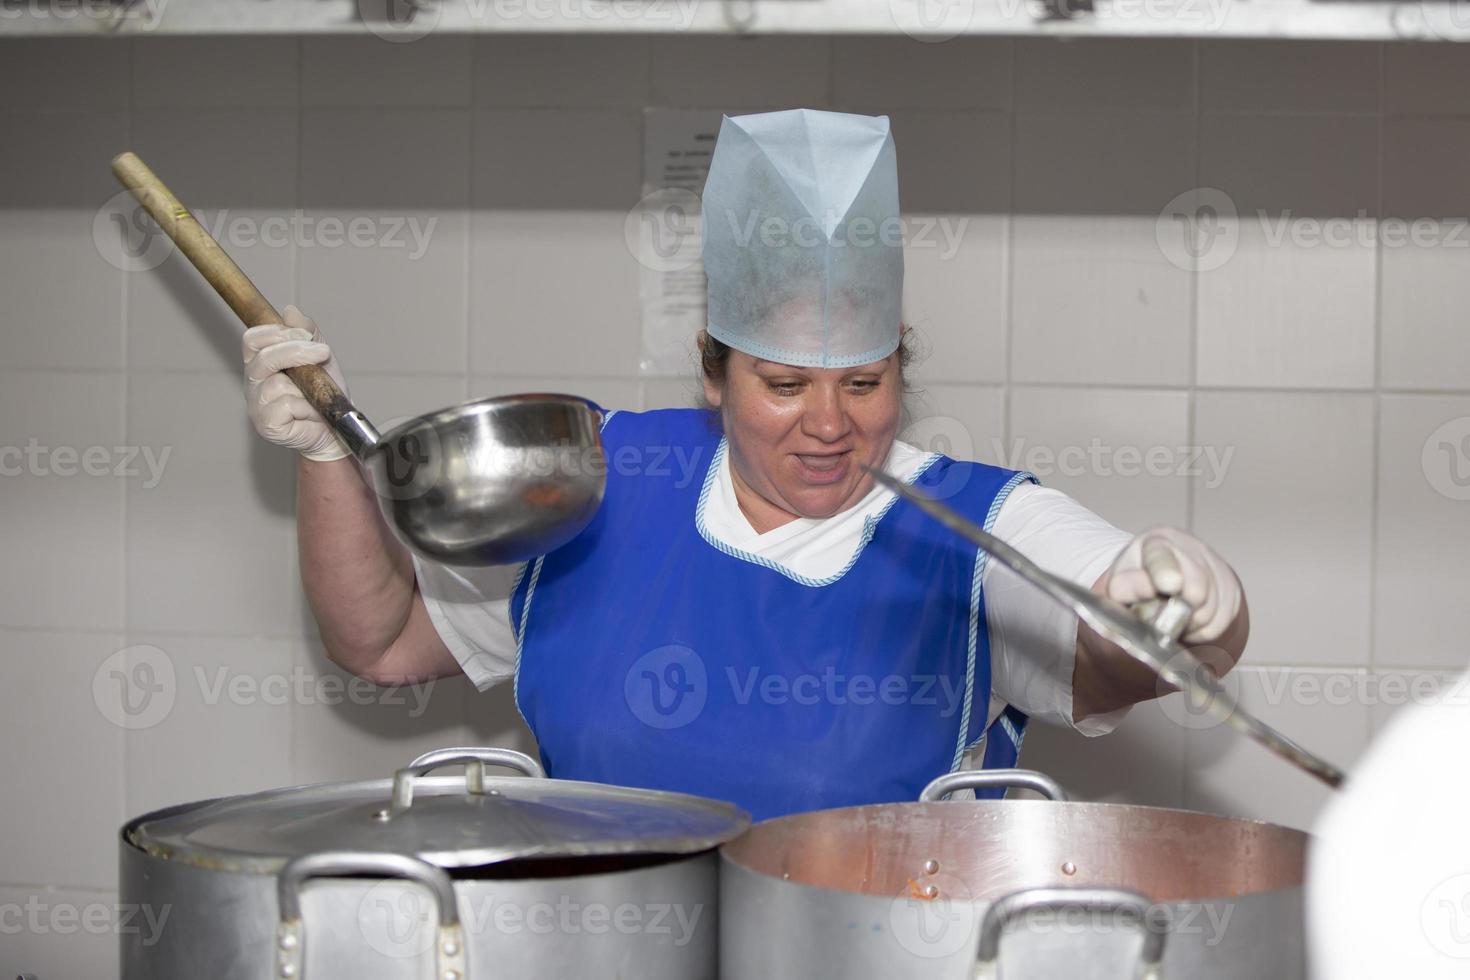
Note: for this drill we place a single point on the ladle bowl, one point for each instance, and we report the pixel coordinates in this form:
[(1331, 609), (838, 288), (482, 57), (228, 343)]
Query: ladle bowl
[(490, 482)]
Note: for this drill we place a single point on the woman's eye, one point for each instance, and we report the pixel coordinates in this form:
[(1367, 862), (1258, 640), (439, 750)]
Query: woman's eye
[(785, 387), (862, 387)]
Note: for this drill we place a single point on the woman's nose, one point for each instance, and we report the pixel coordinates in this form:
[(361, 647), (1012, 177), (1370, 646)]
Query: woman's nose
[(825, 417)]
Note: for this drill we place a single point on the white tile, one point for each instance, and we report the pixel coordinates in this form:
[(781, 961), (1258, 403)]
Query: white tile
[(1293, 304), (740, 72), (1422, 78), (63, 933), (558, 160), (392, 295), (58, 245), (1140, 762), (1079, 75), (954, 295), (175, 320), (672, 393), (61, 496), (186, 71), (396, 302), (65, 72), (1226, 773), (1421, 618), (1124, 454), (561, 70), (952, 162), (1390, 693), (368, 71), (1101, 164), (553, 294), (350, 729), (962, 73), (66, 753), (1424, 236), (962, 421), (1095, 301), (1290, 311), (59, 158), (1425, 292), (618, 394), (1288, 77), (379, 158), (1420, 178), (238, 690), (1094, 298), (1297, 166), (1293, 516), (207, 543)]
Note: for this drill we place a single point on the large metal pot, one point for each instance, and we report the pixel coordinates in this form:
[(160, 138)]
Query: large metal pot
[(430, 878), (1035, 889)]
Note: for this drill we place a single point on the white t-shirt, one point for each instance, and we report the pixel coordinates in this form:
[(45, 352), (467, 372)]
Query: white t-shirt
[(1033, 641)]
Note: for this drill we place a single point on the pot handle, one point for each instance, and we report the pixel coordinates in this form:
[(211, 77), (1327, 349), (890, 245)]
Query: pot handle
[(449, 945), (474, 761), (1120, 902), (953, 782)]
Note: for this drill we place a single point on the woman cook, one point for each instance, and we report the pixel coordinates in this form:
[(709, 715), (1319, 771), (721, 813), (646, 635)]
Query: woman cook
[(775, 630)]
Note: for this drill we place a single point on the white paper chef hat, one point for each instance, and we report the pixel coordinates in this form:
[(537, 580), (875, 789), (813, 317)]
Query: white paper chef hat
[(803, 245)]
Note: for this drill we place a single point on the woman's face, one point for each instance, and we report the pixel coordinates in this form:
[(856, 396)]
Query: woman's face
[(799, 436)]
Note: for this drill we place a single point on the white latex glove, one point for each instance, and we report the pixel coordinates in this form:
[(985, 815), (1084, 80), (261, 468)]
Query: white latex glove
[(1166, 561), (278, 410)]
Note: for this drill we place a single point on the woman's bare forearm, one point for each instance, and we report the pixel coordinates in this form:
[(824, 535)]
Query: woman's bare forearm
[(1106, 679), (358, 578)]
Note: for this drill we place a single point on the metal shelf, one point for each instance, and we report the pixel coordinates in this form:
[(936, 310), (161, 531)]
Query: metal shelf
[(932, 20)]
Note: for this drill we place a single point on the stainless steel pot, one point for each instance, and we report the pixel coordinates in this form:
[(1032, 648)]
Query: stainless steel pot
[(1034, 889), (431, 878)]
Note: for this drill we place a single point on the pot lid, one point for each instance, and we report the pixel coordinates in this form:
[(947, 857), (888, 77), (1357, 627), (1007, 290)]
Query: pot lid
[(449, 821)]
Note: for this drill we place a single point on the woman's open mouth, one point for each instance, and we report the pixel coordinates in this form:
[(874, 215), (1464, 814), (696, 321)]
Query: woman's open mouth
[(822, 469)]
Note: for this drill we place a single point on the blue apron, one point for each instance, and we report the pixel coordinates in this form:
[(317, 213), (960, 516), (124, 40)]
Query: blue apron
[(651, 654)]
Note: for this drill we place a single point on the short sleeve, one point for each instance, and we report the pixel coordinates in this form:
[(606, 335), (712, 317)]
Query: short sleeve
[(470, 609), (1033, 641)]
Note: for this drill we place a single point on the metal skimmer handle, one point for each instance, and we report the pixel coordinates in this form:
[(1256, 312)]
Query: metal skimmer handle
[(1126, 905), (474, 761), (449, 947), (953, 782)]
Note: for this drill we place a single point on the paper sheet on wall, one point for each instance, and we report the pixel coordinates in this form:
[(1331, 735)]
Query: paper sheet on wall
[(663, 232)]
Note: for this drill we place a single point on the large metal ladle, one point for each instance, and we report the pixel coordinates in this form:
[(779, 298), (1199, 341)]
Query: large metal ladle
[(489, 482), (1148, 640)]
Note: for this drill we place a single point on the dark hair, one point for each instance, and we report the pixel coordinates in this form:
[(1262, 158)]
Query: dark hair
[(714, 357)]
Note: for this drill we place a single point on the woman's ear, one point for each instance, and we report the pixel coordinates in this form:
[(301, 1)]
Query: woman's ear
[(713, 391)]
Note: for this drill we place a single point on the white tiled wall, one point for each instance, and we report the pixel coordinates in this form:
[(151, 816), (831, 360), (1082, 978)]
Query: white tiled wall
[(1320, 384)]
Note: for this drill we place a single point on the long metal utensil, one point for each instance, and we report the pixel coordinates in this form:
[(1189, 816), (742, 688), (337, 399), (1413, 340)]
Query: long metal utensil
[(1139, 639)]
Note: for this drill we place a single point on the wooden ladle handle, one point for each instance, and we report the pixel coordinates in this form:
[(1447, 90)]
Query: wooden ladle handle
[(233, 286)]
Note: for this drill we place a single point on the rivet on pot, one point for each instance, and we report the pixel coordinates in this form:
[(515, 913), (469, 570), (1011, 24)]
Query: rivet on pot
[(288, 941), (451, 948), (931, 891), (288, 970), (1069, 868), (931, 867)]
